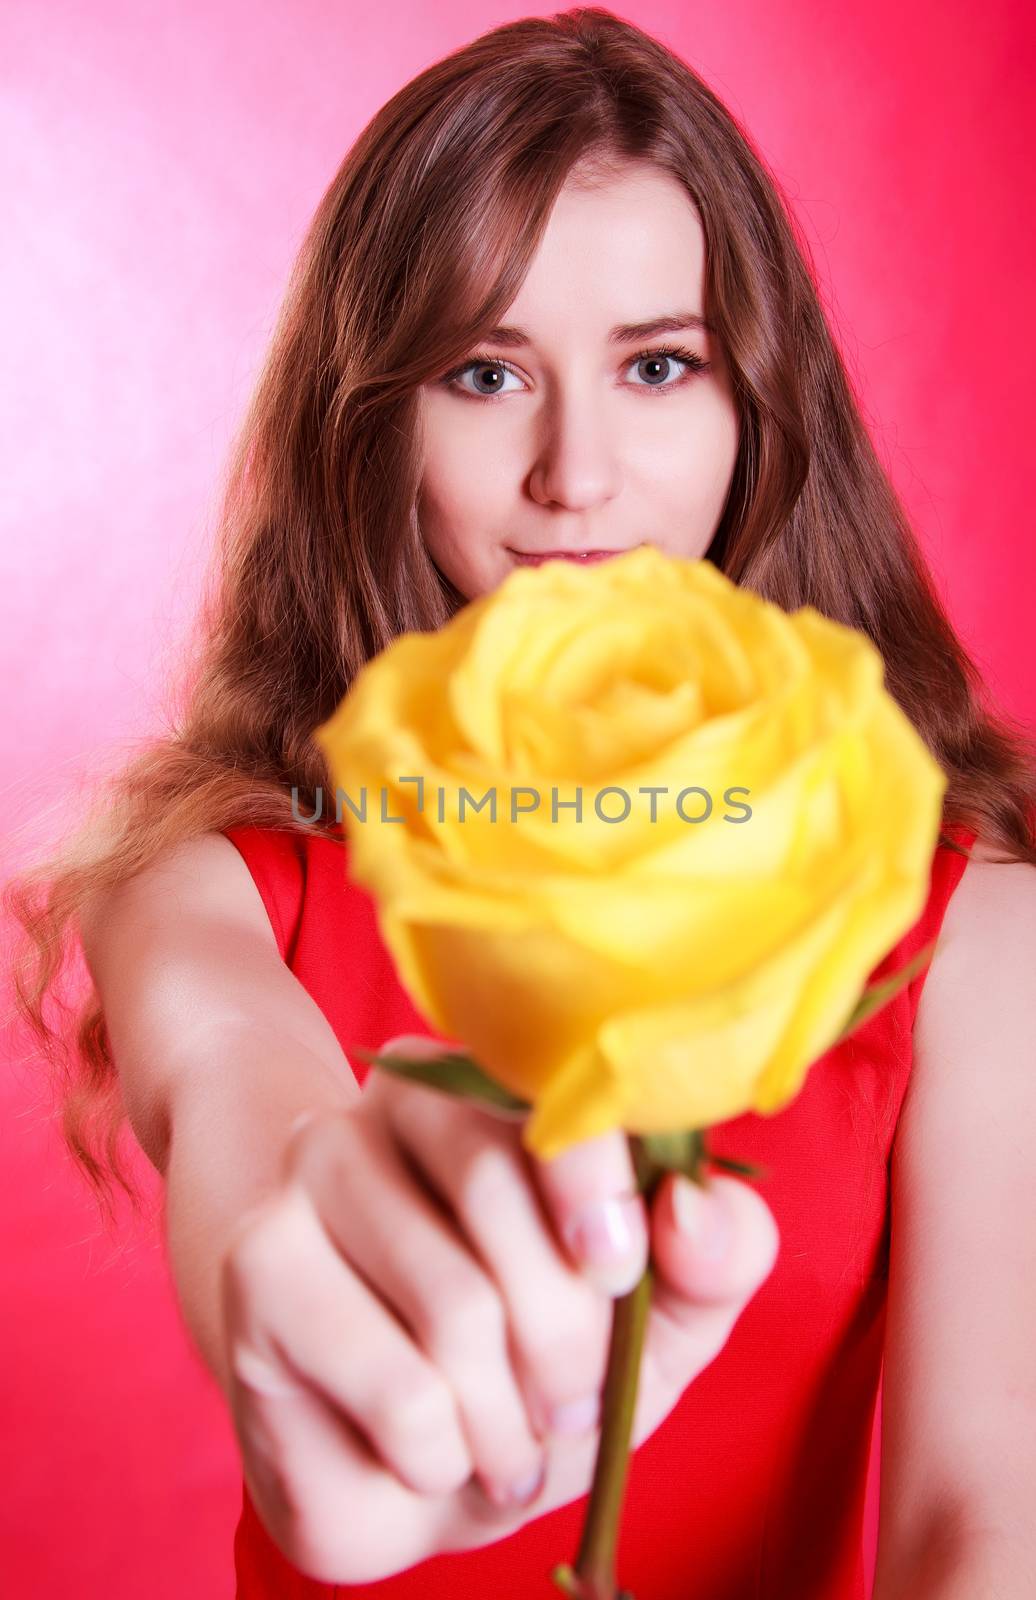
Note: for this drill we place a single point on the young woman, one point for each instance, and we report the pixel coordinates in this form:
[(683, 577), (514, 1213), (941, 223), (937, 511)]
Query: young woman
[(553, 304)]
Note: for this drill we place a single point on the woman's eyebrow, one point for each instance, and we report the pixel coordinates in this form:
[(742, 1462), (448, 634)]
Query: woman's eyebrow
[(624, 333)]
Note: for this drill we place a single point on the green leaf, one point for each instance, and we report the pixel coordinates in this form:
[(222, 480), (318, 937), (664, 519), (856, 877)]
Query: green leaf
[(456, 1073), (453, 1073), (879, 994)]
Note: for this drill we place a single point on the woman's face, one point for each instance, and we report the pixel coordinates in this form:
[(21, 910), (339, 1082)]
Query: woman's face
[(571, 432)]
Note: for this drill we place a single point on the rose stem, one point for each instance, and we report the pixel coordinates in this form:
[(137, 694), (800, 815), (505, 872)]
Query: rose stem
[(593, 1577)]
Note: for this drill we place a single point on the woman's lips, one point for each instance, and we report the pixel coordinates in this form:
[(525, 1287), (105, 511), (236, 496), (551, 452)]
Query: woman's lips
[(564, 555)]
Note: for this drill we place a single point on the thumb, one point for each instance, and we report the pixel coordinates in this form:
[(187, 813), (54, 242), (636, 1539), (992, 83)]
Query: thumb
[(591, 1195), (713, 1244)]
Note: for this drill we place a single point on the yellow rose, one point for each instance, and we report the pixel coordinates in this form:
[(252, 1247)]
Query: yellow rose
[(630, 966)]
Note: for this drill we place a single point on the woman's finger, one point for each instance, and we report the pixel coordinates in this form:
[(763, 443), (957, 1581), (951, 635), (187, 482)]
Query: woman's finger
[(322, 1490), (559, 1323), (325, 1329), (592, 1198), (410, 1253), (713, 1248)]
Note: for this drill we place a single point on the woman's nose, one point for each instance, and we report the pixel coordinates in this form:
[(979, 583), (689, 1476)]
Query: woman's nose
[(576, 465)]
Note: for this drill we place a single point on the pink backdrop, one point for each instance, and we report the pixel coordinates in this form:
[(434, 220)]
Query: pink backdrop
[(160, 166)]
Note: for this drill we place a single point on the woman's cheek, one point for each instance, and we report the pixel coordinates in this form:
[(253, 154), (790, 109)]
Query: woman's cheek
[(463, 552)]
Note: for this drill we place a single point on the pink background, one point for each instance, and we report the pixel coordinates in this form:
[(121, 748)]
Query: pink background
[(160, 165)]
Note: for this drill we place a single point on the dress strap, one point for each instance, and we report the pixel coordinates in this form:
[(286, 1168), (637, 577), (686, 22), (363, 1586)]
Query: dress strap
[(276, 858)]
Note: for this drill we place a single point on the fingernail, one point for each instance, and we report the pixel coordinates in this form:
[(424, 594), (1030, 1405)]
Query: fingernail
[(607, 1233), (523, 1491), (576, 1416), (702, 1217)]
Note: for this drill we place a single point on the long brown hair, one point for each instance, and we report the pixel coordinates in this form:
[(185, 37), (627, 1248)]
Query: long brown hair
[(420, 243)]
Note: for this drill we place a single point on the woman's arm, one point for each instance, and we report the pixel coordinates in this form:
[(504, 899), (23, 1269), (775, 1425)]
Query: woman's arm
[(958, 1457), (386, 1297), (218, 1046)]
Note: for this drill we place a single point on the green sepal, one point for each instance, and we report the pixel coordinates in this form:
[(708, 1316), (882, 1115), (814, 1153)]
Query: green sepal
[(453, 1073), (681, 1151), (688, 1152), (879, 994)]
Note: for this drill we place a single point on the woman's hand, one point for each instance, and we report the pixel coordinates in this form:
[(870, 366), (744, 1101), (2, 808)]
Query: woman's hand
[(417, 1322)]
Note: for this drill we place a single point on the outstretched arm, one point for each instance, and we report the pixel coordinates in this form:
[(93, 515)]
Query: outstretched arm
[(958, 1456)]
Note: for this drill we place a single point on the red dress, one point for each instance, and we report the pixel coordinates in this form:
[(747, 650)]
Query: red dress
[(753, 1486)]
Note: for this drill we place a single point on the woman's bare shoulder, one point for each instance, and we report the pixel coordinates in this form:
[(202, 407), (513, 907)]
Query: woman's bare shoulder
[(203, 879), (958, 1422), (188, 973), (987, 937)]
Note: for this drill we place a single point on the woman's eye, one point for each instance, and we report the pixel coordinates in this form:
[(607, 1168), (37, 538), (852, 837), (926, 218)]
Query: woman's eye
[(490, 375), (658, 367)]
